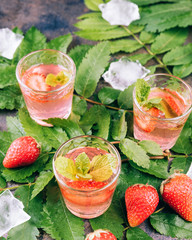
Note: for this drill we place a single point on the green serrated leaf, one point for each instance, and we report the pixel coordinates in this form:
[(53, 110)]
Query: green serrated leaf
[(82, 163), (93, 4), (180, 163), (11, 97), (60, 43), (21, 174), (5, 142), (42, 181), (66, 167), (71, 128), (7, 73), (119, 128), (33, 40), (137, 234), (178, 227), (95, 22), (124, 45), (143, 58), (179, 55), (151, 147), (78, 53), (101, 35), (100, 168), (147, 37), (169, 39), (142, 90), (96, 115), (64, 224), (14, 127), (47, 137), (91, 68), (108, 95), (2, 182), (24, 231), (125, 99), (182, 70), (184, 143), (79, 105), (157, 168), (134, 152), (33, 207)]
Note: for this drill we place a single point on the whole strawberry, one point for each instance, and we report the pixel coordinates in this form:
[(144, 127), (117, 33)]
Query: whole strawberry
[(141, 201), (22, 152), (101, 234), (177, 193)]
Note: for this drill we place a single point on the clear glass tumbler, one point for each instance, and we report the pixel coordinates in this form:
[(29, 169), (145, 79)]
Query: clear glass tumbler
[(44, 101), (177, 99), (87, 203)]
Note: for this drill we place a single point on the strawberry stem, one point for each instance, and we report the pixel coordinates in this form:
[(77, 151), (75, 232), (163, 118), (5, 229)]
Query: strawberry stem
[(159, 210)]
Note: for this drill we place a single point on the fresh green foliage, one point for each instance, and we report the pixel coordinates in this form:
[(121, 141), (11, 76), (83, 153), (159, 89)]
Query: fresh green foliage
[(79, 105), (125, 99), (124, 45), (108, 95), (60, 43), (57, 218), (137, 234), (42, 181), (92, 4), (142, 89), (91, 68), (2, 182), (151, 147), (134, 152), (182, 70), (169, 39), (143, 58), (119, 128), (7, 73), (96, 115), (179, 228), (15, 127)]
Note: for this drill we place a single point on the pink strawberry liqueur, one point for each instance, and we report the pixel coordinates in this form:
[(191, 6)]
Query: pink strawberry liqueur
[(54, 102), (164, 131), (88, 203)]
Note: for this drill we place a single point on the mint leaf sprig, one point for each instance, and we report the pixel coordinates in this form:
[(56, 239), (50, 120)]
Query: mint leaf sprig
[(99, 169), (142, 93)]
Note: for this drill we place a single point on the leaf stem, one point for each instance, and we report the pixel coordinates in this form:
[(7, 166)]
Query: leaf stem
[(98, 103), (15, 187), (146, 48), (159, 210)]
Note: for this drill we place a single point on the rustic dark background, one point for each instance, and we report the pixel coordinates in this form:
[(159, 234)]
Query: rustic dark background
[(53, 18)]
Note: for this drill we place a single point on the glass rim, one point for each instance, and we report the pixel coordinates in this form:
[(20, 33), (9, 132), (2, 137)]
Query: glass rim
[(50, 50), (94, 190), (164, 119)]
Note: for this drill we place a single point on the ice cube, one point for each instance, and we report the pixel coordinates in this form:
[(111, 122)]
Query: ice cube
[(9, 42), (124, 73), (120, 12), (11, 212)]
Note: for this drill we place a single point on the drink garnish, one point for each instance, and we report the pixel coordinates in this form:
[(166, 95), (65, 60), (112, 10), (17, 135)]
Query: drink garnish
[(59, 79), (100, 168), (142, 93)]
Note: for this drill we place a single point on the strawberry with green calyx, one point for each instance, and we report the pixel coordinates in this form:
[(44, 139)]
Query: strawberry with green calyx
[(22, 152), (101, 234), (99, 169), (59, 79), (141, 201), (177, 193)]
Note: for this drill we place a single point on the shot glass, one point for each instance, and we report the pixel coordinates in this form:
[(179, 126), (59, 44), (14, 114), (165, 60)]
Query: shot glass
[(44, 101), (87, 203), (176, 101)]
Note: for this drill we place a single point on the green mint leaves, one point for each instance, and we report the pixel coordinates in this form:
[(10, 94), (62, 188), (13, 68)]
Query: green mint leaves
[(99, 169), (142, 90), (142, 93), (60, 79)]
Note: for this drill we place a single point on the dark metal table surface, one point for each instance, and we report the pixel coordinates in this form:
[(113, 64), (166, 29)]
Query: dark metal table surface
[(53, 18)]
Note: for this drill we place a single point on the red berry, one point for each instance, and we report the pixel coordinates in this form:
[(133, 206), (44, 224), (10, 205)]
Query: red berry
[(141, 201), (22, 152), (101, 234), (36, 81), (147, 123), (177, 193), (86, 185)]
